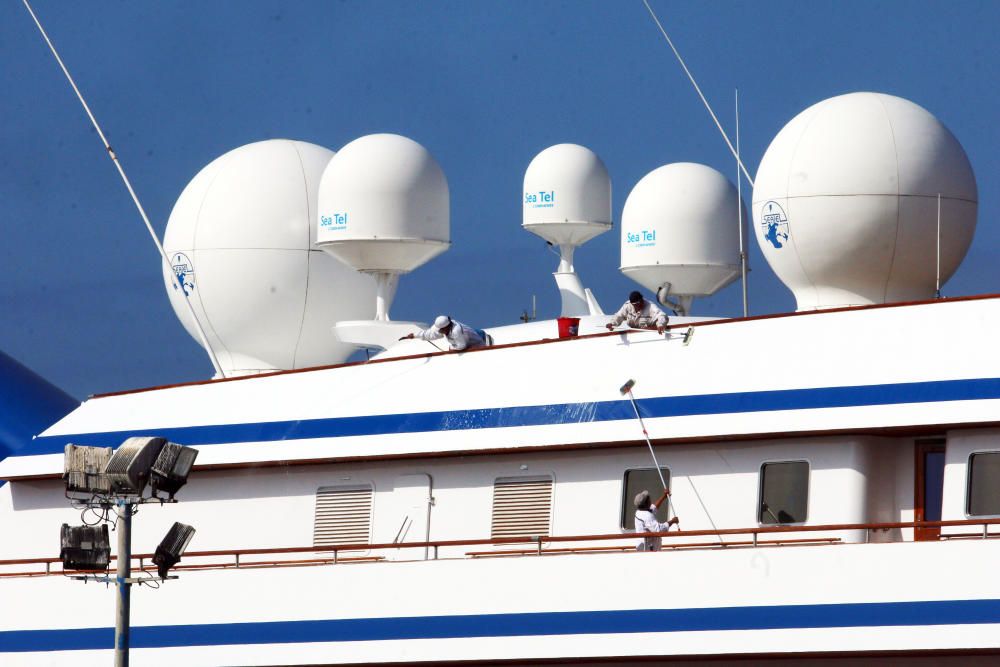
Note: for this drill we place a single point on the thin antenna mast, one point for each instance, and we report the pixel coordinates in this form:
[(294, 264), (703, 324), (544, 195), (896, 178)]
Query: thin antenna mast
[(937, 276), (525, 317), (698, 90), (739, 211), (131, 191)]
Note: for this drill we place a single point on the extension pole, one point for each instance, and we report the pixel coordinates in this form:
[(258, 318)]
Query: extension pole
[(124, 571), (627, 389)]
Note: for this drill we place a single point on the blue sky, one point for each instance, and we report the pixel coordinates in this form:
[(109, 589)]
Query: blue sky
[(483, 85)]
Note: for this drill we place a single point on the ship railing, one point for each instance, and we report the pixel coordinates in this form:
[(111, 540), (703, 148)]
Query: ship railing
[(533, 545)]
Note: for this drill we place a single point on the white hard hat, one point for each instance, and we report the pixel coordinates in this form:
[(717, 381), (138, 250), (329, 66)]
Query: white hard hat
[(441, 322)]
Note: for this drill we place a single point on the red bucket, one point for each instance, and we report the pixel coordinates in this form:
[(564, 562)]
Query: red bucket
[(569, 327)]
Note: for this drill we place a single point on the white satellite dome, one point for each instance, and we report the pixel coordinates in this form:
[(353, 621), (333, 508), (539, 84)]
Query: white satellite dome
[(845, 202), (383, 205), (383, 209), (567, 195), (240, 237), (567, 201), (680, 232)]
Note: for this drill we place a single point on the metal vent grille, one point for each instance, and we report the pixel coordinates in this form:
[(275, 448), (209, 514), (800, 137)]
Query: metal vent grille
[(343, 516), (522, 507)]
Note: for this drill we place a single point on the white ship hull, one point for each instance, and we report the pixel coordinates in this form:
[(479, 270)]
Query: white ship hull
[(862, 599), (842, 584)]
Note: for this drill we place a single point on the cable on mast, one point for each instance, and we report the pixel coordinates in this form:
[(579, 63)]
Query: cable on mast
[(131, 191), (698, 90)]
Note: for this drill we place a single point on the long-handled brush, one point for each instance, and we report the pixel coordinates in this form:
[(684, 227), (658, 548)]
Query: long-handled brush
[(627, 389)]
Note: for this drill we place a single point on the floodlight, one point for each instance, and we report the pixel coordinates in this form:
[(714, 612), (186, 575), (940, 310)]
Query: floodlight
[(85, 547), (83, 469), (129, 467), (172, 547), (172, 467)]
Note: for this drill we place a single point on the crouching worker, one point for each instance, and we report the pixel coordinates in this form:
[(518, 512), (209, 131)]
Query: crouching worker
[(639, 313), (646, 521), (460, 336)]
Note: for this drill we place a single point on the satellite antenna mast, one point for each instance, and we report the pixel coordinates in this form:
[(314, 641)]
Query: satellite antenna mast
[(131, 191), (937, 276), (525, 317), (739, 211)]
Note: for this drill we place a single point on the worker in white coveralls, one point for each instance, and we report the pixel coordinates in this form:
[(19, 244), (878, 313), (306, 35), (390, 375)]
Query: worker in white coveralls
[(639, 313), (460, 336), (646, 521)]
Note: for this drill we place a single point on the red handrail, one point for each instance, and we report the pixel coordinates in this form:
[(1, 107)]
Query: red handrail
[(534, 541)]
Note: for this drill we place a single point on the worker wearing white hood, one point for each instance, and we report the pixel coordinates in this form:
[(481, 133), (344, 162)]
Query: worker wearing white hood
[(460, 336)]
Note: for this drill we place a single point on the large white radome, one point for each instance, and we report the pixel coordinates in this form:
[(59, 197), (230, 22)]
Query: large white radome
[(241, 233), (846, 197)]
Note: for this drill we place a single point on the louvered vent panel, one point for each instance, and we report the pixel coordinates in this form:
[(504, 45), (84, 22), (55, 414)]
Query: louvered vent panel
[(521, 507), (343, 516)]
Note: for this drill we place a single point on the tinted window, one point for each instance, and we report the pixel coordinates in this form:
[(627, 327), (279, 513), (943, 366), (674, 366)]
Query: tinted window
[(984, 484), (784, 492), (643, 479)]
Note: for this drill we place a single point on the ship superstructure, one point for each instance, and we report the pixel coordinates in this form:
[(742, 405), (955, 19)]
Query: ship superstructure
[(837, 487)]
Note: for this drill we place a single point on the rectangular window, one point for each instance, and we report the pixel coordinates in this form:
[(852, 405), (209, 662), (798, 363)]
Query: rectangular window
[(784, 492), (984, 484), (643, 479), (343, 515), (522, 507)]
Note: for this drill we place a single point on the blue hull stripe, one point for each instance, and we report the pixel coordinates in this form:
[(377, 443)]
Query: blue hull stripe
[(785, 617), (539, 415)]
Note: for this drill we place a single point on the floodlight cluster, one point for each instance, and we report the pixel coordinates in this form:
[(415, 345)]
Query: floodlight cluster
[(97, 472), (98, 479)]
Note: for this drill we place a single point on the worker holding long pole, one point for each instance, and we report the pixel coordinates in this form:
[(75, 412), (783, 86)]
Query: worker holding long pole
[(646, 521), (626, 390), (645, 517)]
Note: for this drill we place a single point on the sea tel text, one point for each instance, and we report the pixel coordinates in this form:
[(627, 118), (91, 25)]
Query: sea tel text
[(642, 236), (333, 220), (540, 197)]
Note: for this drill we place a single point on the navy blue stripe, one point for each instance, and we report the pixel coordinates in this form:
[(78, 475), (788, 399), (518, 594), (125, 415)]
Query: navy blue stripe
[(538, 415), (784, 617)]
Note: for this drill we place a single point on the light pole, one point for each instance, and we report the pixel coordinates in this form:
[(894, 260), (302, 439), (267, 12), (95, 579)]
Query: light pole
[(97, 478), (123, 603)]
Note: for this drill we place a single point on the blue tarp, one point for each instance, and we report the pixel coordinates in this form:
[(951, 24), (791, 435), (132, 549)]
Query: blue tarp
[(28, 405)]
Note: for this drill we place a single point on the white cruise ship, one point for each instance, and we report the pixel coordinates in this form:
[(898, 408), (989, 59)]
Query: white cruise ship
[(837, 487)]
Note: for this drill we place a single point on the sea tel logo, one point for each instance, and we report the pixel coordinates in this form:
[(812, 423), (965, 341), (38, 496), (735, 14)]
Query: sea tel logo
[(642, 238), (540, 199), (333, 222)]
